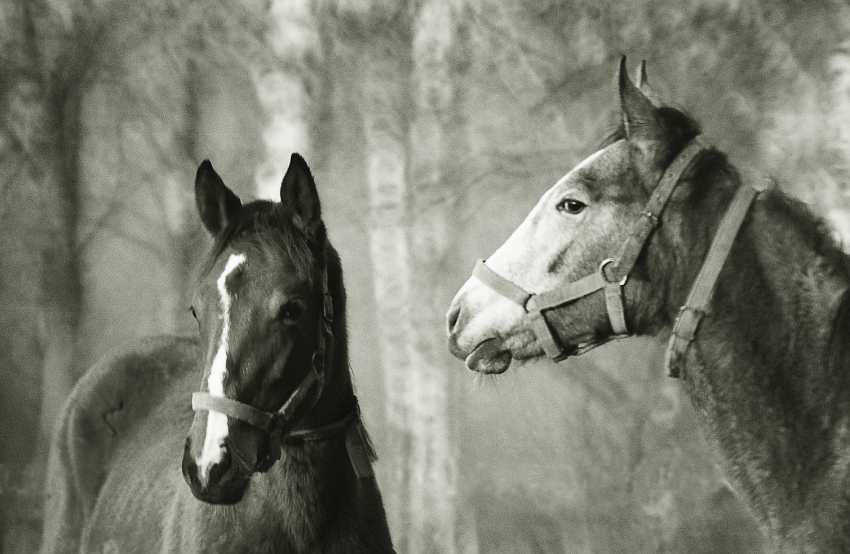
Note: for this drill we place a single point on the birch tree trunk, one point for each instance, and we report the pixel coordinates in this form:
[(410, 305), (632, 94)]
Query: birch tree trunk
[(433, 485), (384, 75), (282, 88), (409, 239), (839, 121)]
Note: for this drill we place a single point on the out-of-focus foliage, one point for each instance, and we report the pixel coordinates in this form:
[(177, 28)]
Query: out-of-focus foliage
[(110, 105)]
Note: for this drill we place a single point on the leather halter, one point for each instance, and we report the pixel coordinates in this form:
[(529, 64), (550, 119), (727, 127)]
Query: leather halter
[(614, 273), (274, 422)]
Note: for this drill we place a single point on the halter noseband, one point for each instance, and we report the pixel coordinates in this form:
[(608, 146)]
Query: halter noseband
[(274, 422), (614, 273)]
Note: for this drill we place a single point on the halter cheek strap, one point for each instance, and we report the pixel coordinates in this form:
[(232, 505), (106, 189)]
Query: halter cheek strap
[(612, 280), (273, 423)]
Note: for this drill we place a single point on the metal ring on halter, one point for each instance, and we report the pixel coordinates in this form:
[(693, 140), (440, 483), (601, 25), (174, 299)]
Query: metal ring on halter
[(653, 219), (607, 261)]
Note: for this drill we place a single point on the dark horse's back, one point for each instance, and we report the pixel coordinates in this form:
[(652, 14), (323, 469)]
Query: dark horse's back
[(129, 411)]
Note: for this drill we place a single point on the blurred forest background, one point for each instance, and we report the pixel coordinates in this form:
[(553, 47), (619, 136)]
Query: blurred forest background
[(432, 127)]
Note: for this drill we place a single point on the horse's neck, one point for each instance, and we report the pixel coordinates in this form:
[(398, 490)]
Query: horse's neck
[(312, 476), (759, 370), (781, 292), (337, 398)]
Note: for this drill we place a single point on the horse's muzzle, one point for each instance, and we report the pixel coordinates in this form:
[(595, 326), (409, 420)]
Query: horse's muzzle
[(223, 483)]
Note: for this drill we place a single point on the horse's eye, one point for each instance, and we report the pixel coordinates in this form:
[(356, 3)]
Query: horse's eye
[(291, 312), (194, 313), (571, 206)]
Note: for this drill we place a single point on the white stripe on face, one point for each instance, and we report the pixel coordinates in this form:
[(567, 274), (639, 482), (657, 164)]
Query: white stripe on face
[(217, 422), (513, 259)]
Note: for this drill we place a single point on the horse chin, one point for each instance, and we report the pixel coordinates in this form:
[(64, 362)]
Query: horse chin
[(221, 497), (489, 357)]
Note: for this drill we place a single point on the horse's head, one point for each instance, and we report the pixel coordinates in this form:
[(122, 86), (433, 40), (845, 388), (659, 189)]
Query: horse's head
[(259, 306), (570, 242)]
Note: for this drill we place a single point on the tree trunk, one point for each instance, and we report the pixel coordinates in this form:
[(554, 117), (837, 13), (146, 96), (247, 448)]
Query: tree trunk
[(384, 75), (38, 279), (839, 123), (282, 85), (162, 98), (409, 240), (135, 201), (433, 467)]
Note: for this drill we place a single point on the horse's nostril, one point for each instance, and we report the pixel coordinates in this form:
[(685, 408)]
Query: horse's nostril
[(452, 317), (226, 460), (189, 467)]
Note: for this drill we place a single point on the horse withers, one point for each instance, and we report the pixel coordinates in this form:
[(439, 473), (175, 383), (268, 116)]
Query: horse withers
[(657, 234), (276, 458)]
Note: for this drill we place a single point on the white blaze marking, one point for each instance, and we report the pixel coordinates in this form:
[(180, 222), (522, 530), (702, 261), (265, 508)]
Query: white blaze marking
[(494, 311), (517, 247), (217, 422)]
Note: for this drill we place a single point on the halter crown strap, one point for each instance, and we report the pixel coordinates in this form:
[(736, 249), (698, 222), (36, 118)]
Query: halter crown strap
[(691, 314), (651, 214), (320, 433)]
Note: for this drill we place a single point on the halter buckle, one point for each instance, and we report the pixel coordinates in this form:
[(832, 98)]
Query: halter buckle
[(687, 323), (602, 266), (653, 219)]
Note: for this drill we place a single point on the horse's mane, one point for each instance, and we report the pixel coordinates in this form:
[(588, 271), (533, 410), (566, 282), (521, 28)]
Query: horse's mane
[(336, 285), (838, 353), (680, 128), (817, 232)]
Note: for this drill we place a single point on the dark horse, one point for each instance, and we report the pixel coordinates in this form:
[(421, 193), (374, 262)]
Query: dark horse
[(276, 458), (655, 221)]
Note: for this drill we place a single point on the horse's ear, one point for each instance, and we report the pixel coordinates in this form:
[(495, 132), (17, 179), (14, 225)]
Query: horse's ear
[(642, 82), (641, 123), (217, 204), (298, 193)]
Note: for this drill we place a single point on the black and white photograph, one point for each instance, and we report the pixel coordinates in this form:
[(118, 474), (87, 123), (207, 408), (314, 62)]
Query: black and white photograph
[(425, 276)]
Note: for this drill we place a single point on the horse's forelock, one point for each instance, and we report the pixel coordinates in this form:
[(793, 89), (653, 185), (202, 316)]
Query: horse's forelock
[(264, 226)]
